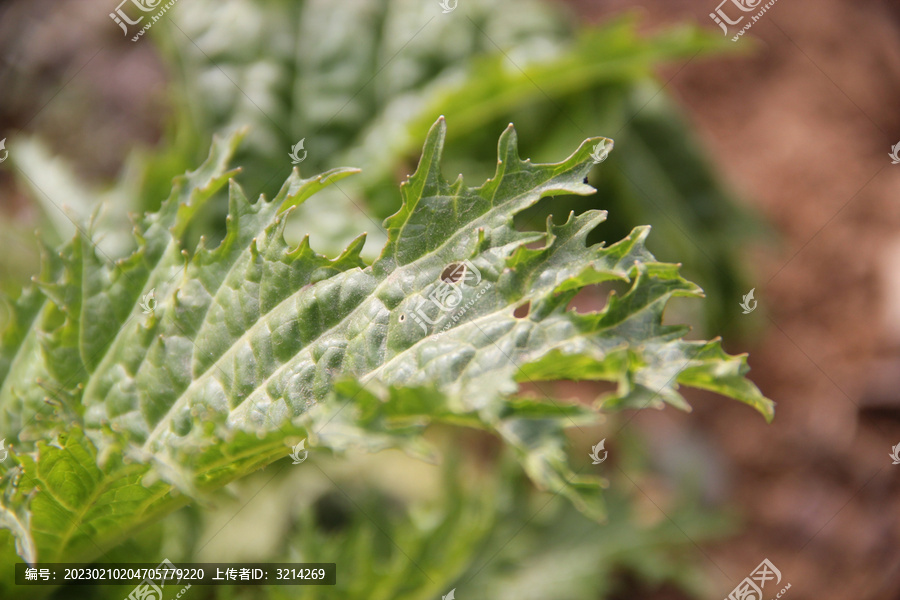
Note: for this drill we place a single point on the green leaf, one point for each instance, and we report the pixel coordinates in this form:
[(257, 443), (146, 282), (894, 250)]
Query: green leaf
[(253, 345), (390, 546)]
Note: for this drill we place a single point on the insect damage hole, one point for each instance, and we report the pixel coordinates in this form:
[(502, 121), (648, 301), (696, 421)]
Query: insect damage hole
[(522, 310), (453, 273)]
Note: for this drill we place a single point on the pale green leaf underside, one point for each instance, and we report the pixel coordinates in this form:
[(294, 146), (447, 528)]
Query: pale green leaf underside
[(255, 344)]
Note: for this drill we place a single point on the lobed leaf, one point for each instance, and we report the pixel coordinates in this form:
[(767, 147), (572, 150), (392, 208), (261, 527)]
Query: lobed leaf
[(252, 345)]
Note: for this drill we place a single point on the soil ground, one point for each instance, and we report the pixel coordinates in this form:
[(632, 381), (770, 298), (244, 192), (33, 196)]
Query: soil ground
[(801, 127)]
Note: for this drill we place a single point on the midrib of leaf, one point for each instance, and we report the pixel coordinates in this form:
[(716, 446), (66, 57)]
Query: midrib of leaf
[(80, 513), (293, 192), (163, 423), (160, 427), (275, 450), (173, 503), (472, 323), (262, 455)]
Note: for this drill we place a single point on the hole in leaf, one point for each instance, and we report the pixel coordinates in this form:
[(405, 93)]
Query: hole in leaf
[(453, 273), (522, 310), (595, 298)]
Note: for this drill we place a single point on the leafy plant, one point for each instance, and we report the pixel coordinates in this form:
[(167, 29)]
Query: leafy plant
[(462, 540), (400, 528), (361, 83), (490, 63), (119, 417)]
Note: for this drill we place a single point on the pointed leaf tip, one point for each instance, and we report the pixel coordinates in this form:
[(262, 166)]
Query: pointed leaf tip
[(296, 190)]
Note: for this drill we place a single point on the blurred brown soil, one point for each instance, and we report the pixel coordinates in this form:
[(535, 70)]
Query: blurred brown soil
[(801, 127)]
